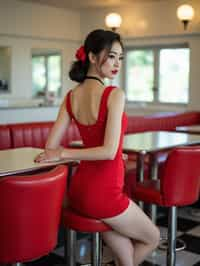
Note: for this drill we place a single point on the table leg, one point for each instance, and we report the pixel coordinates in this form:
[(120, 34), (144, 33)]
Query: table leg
[(154, 176), (140, 171)]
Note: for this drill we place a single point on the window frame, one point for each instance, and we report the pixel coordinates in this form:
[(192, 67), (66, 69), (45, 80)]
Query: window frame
[(156, 50)]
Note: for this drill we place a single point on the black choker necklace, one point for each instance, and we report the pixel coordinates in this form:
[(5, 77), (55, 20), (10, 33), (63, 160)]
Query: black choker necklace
[(92, 77)]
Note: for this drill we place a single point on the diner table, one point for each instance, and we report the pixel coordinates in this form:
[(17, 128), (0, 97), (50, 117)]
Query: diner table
[(195, 129), (152, 143), (21, 160)]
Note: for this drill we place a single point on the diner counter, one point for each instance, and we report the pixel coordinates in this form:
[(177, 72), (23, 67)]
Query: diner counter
[(28, 106), (20, 114)]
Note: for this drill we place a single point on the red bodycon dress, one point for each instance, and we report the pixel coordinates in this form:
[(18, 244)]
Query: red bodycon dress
[(96, 189)]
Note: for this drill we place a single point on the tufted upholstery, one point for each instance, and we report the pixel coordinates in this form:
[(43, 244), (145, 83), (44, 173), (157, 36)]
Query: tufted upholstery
[(35, 134), (30, 134), (161, 121), (5, 139)]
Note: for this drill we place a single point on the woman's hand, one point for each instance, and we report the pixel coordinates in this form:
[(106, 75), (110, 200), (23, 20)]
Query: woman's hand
[(49, 155)]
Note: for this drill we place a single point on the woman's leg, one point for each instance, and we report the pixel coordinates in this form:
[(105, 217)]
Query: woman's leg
[(134, 224), (121, 247)]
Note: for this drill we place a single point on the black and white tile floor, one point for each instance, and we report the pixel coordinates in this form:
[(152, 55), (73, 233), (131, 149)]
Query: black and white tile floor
[(188, 230)]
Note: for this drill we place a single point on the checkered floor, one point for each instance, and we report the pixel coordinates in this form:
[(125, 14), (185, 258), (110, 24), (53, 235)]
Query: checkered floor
[(188, 230)]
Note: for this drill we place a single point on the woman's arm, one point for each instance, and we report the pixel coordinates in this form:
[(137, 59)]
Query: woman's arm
[(59, 128), (52, 147), (111, 139)]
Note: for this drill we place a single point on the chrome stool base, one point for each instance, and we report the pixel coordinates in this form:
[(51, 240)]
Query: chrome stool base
[(180, 244), (70, 248)]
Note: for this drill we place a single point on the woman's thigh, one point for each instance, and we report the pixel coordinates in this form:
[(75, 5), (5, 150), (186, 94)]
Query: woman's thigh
[(135, 224)]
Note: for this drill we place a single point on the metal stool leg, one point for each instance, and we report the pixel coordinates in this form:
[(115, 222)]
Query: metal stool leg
[(70, 247), (96, 249), (140, 172), (172, 227)]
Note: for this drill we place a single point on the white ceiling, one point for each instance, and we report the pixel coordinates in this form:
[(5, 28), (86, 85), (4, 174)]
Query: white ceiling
[(79, 4)]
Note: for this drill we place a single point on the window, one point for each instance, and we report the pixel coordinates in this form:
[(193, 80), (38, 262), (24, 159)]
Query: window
[(158, 74), (46, 74), (5, 69)]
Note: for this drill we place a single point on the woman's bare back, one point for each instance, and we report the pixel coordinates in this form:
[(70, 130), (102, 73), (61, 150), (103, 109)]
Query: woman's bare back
[(85, 102)]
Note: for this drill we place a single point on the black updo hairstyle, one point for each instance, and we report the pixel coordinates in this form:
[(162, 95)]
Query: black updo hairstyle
[(95, 42)]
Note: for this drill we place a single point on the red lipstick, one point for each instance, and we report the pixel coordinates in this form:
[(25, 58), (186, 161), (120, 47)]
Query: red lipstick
[(114, 72)]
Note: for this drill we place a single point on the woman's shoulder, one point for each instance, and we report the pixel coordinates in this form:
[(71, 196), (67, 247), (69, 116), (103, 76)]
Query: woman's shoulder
[(116, 91), (116, 94), (75, 88), (71, 91)]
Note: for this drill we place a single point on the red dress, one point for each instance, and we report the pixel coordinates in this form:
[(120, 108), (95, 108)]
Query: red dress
[(96, 189)]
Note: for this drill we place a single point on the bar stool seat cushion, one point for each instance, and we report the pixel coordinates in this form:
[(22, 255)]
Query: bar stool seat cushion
[(74, 221)]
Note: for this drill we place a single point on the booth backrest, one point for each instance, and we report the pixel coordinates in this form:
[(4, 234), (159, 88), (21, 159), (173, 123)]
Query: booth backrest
[(163, 121), (35, 134), (30, 134), (5, 138)]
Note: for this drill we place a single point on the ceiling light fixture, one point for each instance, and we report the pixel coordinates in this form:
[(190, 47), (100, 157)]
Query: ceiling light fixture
[(113, 21), (185, 13)]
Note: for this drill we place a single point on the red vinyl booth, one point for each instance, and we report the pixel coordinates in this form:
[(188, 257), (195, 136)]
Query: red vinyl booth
[(5, 139), (30, 207)]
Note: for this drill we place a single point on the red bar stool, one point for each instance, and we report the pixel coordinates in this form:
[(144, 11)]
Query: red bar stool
[(178, 185), (30, 207), (74, 222)]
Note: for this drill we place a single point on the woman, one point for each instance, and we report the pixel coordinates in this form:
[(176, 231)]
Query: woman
[(96, 189)]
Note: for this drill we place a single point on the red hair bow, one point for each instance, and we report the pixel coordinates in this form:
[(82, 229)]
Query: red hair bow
[(80, 54)]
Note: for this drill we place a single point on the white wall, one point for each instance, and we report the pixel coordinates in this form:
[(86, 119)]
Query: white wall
[(20, 115), (24, 26), (38, 21)]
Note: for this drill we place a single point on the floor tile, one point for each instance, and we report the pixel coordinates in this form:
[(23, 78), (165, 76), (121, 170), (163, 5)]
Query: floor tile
[(164, 232), (182, 223), (183, 258), (192, 243), (194, 231), (196, 264), (189, 213), (83, 254), (146, 263)]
